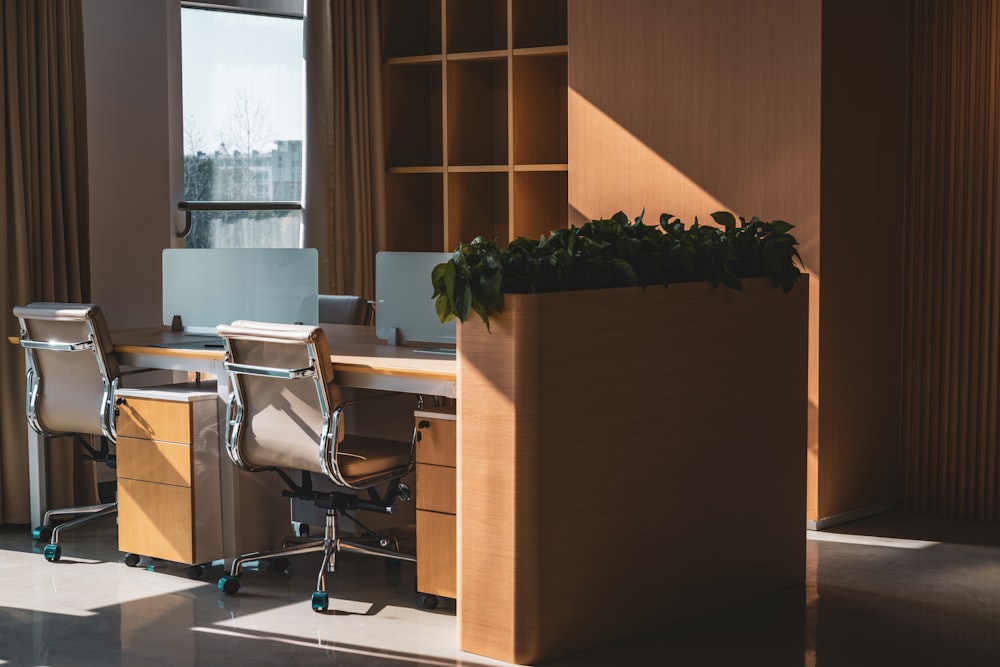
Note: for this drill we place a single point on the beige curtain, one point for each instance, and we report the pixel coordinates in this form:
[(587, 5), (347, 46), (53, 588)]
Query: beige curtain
[(344, 215), (43, 193)]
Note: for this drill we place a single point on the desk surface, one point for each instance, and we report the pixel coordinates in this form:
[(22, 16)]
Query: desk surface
[(359, 358), (352, 348)]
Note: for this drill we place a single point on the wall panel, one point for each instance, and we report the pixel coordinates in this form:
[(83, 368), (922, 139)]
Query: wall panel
[(861, 213)]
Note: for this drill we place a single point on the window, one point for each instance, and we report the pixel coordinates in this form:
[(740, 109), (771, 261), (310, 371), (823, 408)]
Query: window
[(243, 96)]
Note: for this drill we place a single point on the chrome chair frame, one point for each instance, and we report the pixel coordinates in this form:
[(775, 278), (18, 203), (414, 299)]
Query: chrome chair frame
[(33, 389), (335, 503)]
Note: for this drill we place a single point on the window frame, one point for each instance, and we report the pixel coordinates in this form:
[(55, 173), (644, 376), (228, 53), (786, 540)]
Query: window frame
[(294, 9)]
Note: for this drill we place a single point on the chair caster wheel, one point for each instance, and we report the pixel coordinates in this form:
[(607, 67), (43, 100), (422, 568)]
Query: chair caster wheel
[(229, 584), (52, 552), (131, 560), (320, 601), (279, 564), (42, 533), (429, 601), (194, 571)]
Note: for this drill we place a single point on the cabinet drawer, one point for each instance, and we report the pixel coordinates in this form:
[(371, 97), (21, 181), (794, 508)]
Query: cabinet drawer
[(154, 419), (154, 461), (436, 440), (436, 554), (155, 520), (436, 488)]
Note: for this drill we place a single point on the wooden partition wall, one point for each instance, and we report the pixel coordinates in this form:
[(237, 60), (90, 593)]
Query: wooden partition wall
[(887, 147), (951, 342), (695, 107), (862, 159)]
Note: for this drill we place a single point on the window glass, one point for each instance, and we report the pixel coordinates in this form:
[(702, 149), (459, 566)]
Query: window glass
[(243, 126)]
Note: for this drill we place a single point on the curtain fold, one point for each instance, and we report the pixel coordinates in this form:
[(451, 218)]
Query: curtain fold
[(951, 301), (344, 183), (44, 195)]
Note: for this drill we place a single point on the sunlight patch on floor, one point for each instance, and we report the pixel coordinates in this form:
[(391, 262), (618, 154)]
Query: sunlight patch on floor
[(67, 587), (868, 540)]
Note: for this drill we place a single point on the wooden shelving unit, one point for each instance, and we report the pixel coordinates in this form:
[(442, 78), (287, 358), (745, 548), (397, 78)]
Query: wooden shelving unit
[(475, 103)]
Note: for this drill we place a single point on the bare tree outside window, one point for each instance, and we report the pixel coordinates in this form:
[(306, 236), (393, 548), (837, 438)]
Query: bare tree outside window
[(246, 151)]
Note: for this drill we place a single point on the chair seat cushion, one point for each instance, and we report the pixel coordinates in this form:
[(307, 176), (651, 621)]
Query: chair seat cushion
[(363, 458)]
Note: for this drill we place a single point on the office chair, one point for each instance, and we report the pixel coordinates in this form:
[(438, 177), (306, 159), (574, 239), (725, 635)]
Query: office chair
[(285, 413), (71, 378), (344, 309)]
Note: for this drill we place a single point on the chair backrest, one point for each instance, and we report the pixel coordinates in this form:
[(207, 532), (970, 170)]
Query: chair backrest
[(283, 410), (72, 372), (344, 309)]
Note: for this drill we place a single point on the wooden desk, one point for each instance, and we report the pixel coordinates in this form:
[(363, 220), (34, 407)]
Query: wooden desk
[(360, 360)]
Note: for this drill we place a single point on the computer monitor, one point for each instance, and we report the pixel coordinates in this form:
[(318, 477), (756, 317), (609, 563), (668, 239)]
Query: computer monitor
[(404, 307)]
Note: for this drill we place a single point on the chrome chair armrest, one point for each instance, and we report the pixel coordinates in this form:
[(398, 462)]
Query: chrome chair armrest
[(270, 371), (57, 347)]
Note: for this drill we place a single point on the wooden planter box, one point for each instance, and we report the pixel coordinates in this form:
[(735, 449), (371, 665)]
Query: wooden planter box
[(627, 458)]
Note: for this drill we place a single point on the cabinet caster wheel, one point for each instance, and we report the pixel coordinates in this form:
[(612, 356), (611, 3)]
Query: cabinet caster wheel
[(320, 601), (52, 552), (229, 584), (42, 534), (194, 571), (131, 560), (429, 601), (279, 564)]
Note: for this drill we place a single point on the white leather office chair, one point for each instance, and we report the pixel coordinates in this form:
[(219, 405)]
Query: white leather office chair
[(71, 377), (285, 413), (344, 309)]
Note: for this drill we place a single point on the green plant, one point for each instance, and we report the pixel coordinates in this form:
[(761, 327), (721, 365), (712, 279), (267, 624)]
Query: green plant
[(614, 253)]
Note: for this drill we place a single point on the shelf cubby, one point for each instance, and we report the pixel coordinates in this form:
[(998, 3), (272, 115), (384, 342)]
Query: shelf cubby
[(540, 202), (413, 120), (539, 93), (410, 27), (477, 112), (478, 205), (538, 23), (476, 25), (415, 211)]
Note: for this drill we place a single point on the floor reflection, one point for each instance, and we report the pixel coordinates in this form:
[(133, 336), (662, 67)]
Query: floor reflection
[(889, 590)]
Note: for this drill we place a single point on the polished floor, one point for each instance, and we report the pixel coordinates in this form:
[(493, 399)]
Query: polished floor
[(895, 589)]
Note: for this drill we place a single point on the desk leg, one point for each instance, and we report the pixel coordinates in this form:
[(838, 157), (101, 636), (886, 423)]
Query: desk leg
[(36, 476), (226, 486)]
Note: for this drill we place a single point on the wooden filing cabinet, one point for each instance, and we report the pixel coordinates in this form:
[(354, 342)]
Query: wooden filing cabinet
[(169, 500), (436, 499)]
